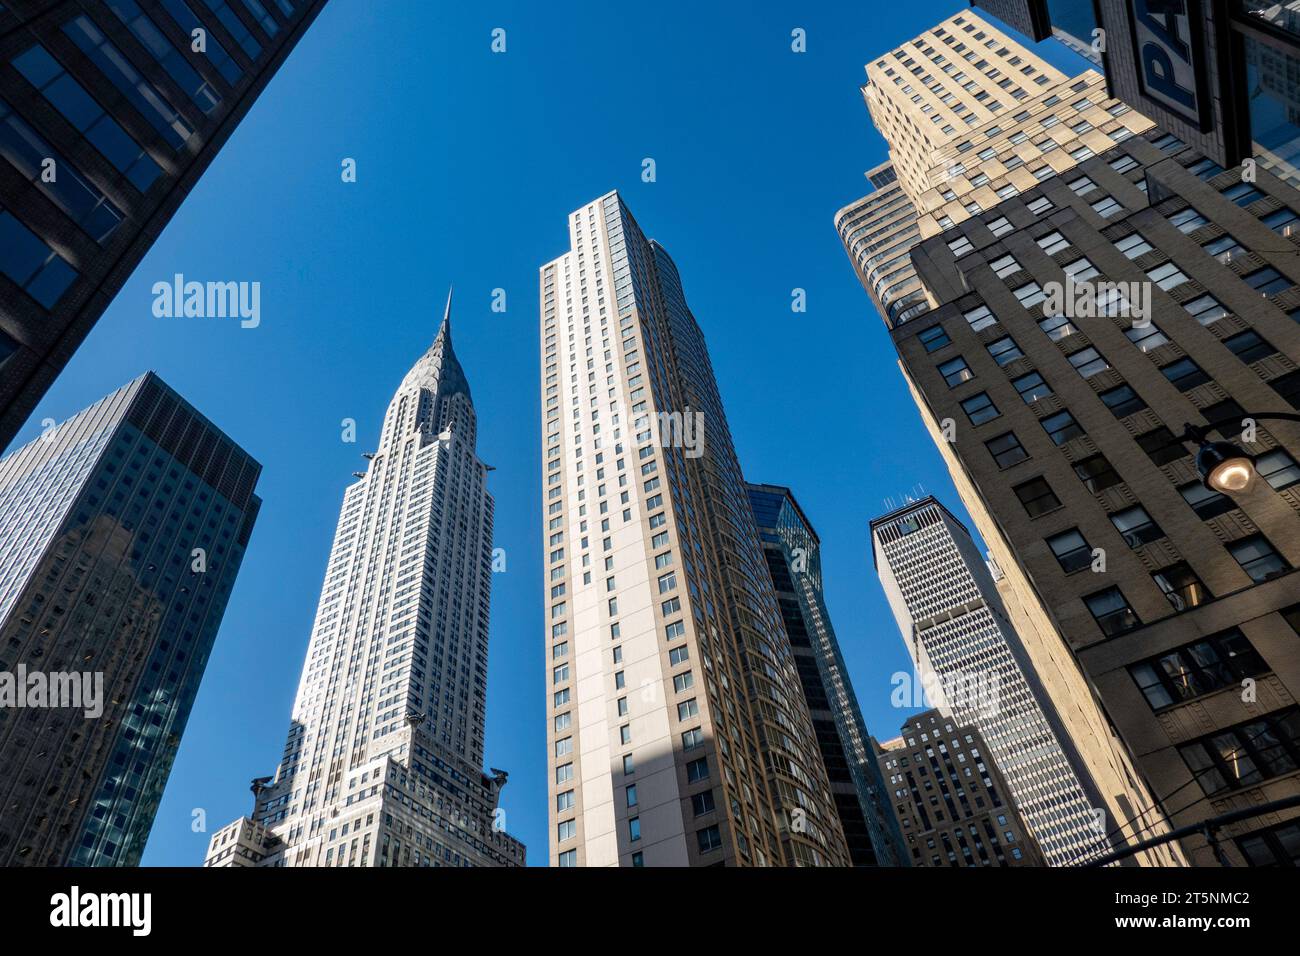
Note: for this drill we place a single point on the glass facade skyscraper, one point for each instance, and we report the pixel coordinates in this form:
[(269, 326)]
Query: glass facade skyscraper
[(121, 532), (793, 554), (109, 114)]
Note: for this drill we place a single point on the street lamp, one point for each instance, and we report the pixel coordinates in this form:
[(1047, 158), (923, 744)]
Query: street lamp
[(1225, 466)]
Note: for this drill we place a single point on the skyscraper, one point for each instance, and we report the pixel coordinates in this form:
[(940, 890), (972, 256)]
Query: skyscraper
[(1007, 130), (793, 554), (976, 118), (677, 727), (950, 798), (1066, 441), (109, 114), (939, 88), (878, 232), (121, 532), (384, 757), (957, 630)]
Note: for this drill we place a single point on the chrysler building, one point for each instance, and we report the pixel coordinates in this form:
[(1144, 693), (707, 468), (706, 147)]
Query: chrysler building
[(383, 762)]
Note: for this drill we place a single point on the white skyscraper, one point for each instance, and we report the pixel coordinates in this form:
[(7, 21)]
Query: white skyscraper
[(678, 729), (956, 629), (383, 763)]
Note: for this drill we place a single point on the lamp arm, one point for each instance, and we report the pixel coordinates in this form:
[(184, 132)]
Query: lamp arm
[(1197, 433)]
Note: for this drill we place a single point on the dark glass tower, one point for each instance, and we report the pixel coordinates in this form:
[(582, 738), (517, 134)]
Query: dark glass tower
[(110, 112), (793, 554), (121, 532)]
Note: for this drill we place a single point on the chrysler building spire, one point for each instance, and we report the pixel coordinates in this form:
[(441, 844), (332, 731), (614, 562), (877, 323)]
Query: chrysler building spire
[(444, 330)]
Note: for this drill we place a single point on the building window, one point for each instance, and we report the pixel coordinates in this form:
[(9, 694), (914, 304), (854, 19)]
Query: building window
[(1000, 226), (1080, 270), (1107, 206), (955, 371), (1136, 527), (1096, 473), (1031, 387), (1243, 194), (1288, 386), (1004, 266), (1037, 497), (1206, 502), (1184, 374), (980, 318), (1187, 220), (148, 100), (1072, 551), (80, 109), (1111, 611), (933, 338), (1249, 346), (1006, 450), (1061, 427), (1133, 245), (1282, 221), (1029, 294), (1057, 327), (1247, 754), (1222, 248), (1181, 586), (568, 858), (1258, 558), (1226, 417), (1042, 203), (1088, 362), (960, 246), (1205, 309), (1167, 276), (70, 190), (1278, 469), (1122, 401), (1146, 337), (709, 839), (1267, 281), (980, 409), (1162, 446), (1275, 846), (32, 265), (1196, 669), (1081, 186), (1053, 243), (1004, 350)]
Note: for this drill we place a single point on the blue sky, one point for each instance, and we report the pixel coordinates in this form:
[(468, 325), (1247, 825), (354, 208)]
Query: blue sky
[(468, 163)]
